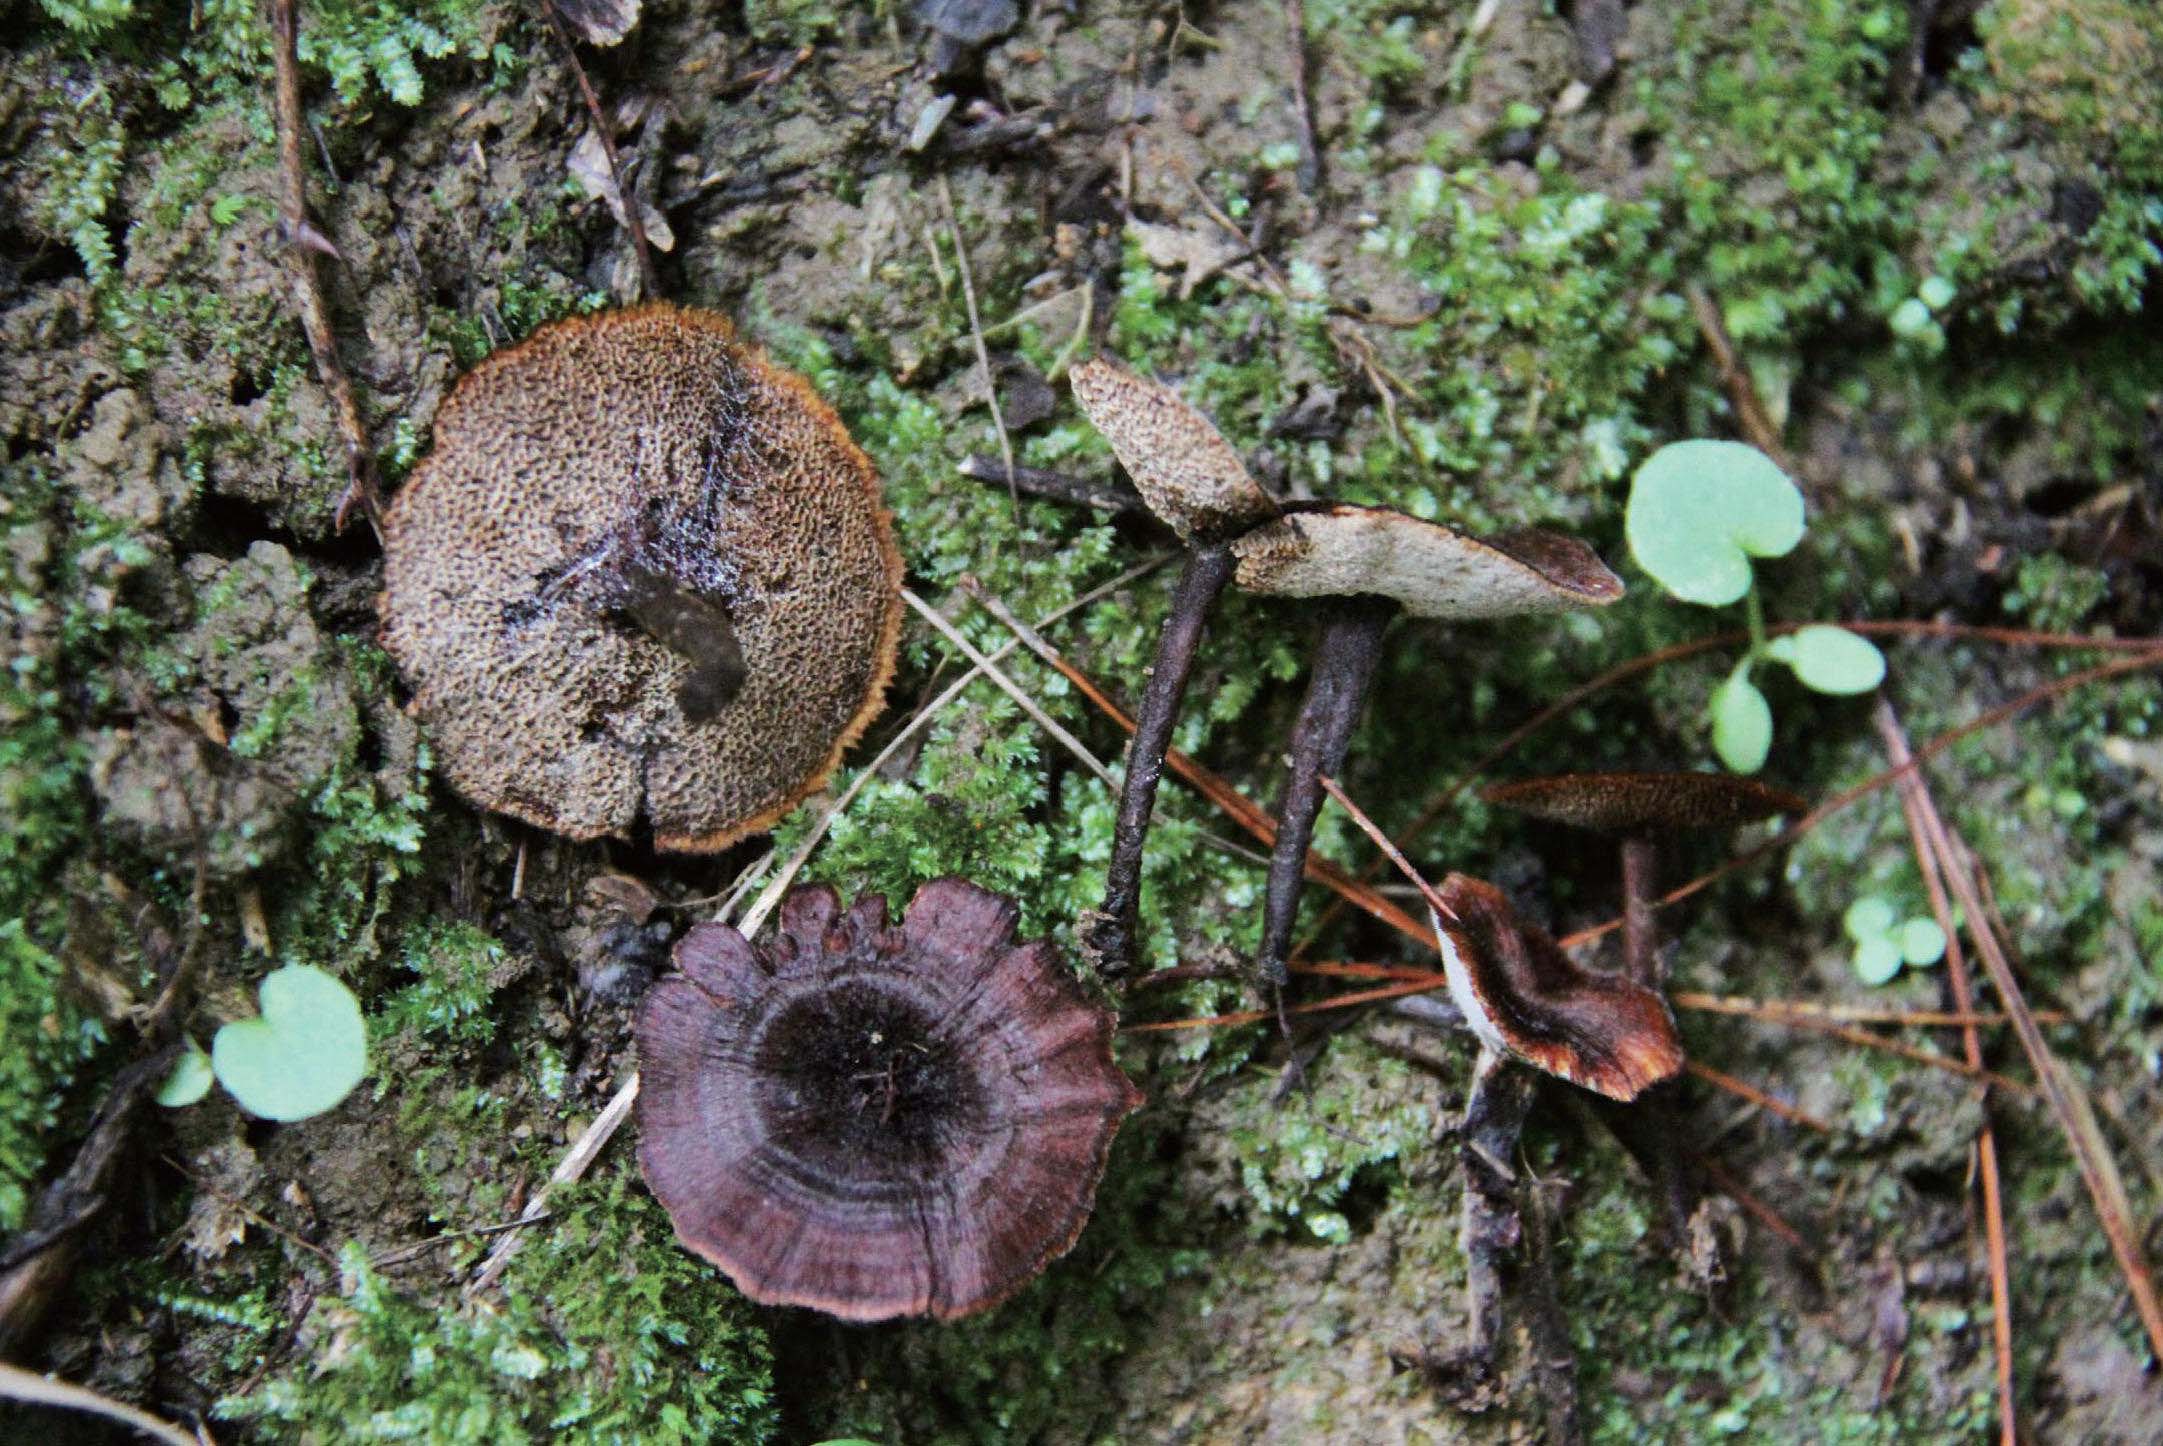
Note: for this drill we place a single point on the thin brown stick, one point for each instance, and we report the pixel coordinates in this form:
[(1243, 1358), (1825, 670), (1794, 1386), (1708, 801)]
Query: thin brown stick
[(1750, 413), (1911, 789), (1743, 1089), (1852, 1035), (1389, 850), (1295, 64), (1316, 1006), (2098, 1171), (1776, 1009), (976, 335), (27, 1386), (305, 244), (1724, 1180), (649, 277), (1989, 718)]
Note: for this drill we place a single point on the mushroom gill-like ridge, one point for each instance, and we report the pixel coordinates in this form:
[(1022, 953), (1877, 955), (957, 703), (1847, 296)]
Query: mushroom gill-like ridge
[(1521, 994), (642, 572), (876, 1120)]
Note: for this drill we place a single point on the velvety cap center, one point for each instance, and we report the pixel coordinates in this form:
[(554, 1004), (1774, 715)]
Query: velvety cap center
[(855, 1083)]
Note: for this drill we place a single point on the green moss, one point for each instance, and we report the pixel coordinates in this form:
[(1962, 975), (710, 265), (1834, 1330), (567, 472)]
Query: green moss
[(606, 1332), (1299, 1159), (43, 796), (450, 1002)]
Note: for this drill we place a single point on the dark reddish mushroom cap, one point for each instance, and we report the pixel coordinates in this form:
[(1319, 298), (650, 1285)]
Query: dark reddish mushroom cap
[(877, 1121), (1642, 802), (1523, 996)]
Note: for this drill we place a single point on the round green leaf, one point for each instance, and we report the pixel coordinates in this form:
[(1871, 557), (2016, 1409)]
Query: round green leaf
[(1878, 960), (1869, 917), (302, 1055), (1922, 942), (1699, 511), (1741, 725), (189, 1081), (1832, 660)]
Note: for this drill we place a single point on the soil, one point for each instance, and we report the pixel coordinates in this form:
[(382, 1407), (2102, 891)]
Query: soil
[(1437, 319)]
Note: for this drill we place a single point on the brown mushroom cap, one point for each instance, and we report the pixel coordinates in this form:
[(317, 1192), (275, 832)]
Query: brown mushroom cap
[(643, 571), (1640, 802), (1430, 570), (1522, 995), (877, 1121), (1190, 477)]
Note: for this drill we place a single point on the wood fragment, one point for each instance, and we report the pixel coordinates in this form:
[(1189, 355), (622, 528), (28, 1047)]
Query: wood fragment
[(305, 246)]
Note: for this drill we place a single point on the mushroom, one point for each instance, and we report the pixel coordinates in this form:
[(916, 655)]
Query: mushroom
[(1521, 995), (644, 573), (1369, 563), (1640, 808), (874, 1120)]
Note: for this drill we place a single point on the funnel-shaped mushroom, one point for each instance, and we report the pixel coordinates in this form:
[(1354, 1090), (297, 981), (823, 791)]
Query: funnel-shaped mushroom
[(643, 573), (1522, 995), (1370, 562), (1641, 809), (874, 1120)]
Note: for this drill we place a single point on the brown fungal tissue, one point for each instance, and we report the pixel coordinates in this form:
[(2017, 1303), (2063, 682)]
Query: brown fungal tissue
[(643, 573), (1365, 564), (1523, 996), (877, 1120)]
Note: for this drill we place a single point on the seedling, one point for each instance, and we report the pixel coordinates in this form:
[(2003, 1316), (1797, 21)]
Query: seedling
[(302, 1055), (1884, 941), (1699, 511)]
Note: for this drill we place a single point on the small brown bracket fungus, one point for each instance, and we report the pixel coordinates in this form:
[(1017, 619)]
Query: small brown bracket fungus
[(1642, 809), (644, 572), (1369, 562), (876, 1120), (1523, 996)]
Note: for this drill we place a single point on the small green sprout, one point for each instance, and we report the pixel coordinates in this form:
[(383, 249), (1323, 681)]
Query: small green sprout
[(299, 1058), (1884, 941), (189, 1081), (1698, 512)]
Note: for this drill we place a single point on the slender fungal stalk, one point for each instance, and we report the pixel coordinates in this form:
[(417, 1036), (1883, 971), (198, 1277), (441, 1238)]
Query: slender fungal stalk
[(1110, 936), (1640, 933), (1343, 669)]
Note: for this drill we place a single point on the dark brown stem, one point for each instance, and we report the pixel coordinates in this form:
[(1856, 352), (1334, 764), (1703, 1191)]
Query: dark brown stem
[(1650, 1130), (1640, 931), (1344, 666), (305, 244), (1110, 935), (1295, 47), (1554, 1362), (1494, 1119), (1109, 498), (649, 279)]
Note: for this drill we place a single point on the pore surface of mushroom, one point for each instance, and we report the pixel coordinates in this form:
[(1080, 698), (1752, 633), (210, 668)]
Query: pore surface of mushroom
[(643, 572), (876, 1120), (1522, 995), (1367, 563)]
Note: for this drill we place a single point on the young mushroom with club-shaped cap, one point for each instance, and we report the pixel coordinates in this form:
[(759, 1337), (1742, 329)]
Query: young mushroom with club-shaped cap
[(1641, 809), (1368, 563), (643, 575), (877, 1120)]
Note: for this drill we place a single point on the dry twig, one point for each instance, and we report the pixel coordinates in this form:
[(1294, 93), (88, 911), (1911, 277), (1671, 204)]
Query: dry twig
[(306, 245), (649, 277)]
